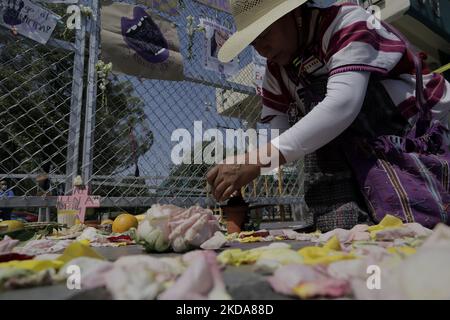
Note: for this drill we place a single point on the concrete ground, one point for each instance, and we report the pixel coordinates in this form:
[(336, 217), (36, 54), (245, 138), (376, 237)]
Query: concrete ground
[(241, 282)]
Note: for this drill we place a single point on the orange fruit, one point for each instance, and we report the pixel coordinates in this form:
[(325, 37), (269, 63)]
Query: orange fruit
[(124, 222)]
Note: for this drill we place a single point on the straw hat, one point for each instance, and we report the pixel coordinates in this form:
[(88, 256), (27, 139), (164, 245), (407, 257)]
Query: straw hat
[(252, 17)]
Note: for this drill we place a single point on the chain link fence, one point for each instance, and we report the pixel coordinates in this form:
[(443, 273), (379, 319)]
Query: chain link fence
[(38, 85), (58, 119), (145, 173)]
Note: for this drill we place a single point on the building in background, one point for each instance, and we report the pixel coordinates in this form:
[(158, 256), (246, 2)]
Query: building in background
[(426, 23), (244, 106)]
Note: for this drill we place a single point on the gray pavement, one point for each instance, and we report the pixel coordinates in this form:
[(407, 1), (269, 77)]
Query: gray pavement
[(241, 282)]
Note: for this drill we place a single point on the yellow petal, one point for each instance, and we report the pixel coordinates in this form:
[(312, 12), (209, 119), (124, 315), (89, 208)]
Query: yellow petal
[(304, 291), (402, 250), (85, 242), (140, 217), (231, 257), (317, 255), (33, 265), (250, 239), (282, 255), (122, 244), (79, 249), (313, 252), (329, 259), (388, 221), (333, 244), (227, 255)]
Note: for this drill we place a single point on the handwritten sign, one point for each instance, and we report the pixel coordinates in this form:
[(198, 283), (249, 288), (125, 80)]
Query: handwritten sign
[(28, 19), (80, 200)]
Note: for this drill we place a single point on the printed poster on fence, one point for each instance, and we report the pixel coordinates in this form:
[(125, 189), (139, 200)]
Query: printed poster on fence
[(223, 5), (259, 69), (140, 43), (28, 19), (215, 37)]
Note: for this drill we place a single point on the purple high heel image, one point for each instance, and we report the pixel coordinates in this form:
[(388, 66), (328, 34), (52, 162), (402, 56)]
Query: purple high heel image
[(143, 35)]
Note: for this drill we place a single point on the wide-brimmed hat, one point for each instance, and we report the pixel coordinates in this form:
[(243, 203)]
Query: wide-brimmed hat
[(252, 17)]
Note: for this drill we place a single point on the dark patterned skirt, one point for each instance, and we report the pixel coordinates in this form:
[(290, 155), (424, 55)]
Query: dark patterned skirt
[(332, 194)]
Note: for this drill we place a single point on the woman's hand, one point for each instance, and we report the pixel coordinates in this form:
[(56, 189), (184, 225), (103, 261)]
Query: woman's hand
[(226, 179), (236, 172)]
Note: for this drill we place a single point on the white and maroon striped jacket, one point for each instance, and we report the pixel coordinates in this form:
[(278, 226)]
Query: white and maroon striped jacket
[(347, 43)]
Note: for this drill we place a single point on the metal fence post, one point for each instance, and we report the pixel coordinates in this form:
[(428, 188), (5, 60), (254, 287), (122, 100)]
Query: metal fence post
[(75, 107), (91, 94)]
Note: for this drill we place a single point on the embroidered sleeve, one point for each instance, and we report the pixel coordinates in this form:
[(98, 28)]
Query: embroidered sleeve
[(353, 41)]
